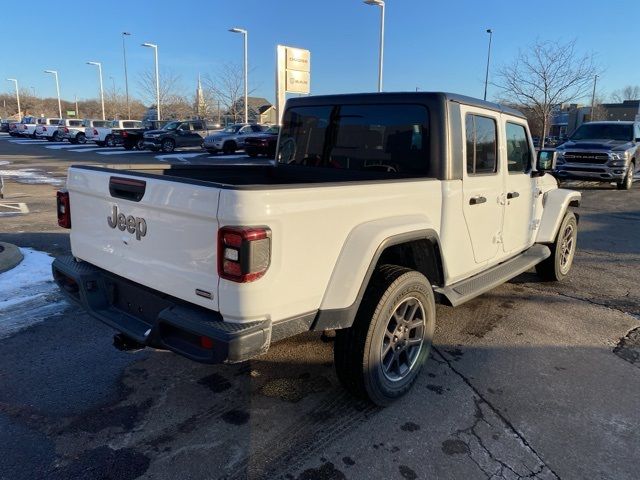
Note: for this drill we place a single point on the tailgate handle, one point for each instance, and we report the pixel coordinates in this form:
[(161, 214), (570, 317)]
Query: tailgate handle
[(127, 188)]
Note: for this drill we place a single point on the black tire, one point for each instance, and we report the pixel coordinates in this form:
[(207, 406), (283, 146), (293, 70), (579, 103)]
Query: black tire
[(81, 138), (109, 141), (360, 352), (229, 148), (140, 144), (168, 145), (558, 265), (627, 183), (56, 137)]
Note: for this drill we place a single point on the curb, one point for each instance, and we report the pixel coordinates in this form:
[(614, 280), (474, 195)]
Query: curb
[(10, 256)]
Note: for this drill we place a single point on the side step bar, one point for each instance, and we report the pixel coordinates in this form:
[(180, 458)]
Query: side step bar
[(465, 290)]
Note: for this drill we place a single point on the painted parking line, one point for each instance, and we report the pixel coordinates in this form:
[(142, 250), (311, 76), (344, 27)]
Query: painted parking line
[(90, 149), (67, 145), (28, 142), (181, 157), (123, 152)]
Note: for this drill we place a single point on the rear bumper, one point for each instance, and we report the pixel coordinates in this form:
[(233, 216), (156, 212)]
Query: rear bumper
[(157, 320)]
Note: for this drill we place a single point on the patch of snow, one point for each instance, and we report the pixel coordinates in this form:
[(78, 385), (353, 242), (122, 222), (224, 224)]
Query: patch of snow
[(31, 176), (4, 162), (28, 294)]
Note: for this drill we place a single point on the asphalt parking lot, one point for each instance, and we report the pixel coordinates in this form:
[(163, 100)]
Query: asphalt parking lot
[(532, 380)]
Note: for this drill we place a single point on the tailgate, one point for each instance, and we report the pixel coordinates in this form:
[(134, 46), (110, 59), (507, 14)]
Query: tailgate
[(163, 236)]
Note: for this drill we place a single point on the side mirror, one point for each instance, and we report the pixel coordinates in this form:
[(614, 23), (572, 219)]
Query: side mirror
[(546, 161)]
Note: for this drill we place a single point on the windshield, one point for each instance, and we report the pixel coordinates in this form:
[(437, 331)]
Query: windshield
[(385, 138), (605, 131), (232, 128), (171, 126)]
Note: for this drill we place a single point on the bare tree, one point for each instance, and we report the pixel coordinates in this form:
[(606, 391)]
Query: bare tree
[(546, 75), (170, 86), (225, 91), (630, 92)]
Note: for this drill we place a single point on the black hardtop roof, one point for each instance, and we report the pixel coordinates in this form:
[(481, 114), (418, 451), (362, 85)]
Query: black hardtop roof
[(403, 97)]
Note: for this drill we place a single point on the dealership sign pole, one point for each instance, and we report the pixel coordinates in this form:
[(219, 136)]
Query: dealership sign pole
[(293, 74)]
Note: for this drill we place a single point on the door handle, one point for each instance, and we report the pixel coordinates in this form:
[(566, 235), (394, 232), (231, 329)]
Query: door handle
[(477, 200), (512, 195)]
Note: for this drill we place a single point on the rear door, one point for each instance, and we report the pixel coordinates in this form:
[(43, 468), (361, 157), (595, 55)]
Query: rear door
[(156, 232), (483, 183), (521, 191)]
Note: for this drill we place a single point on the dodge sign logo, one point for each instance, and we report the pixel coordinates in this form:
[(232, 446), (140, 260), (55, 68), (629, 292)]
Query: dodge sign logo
[(131, 224)]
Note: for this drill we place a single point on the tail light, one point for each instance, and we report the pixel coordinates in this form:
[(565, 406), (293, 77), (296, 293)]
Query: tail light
[(63, 208), (244, 253), (66, 130), (124, 134), (95, 132)]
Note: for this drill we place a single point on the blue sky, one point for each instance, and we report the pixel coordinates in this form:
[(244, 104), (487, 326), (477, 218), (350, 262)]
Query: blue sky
[(430, 44)]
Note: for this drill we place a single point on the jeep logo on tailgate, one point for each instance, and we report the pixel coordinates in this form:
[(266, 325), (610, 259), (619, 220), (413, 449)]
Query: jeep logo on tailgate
[(131, 224)]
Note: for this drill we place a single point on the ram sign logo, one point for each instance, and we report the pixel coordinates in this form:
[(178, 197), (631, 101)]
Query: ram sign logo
[(131, 224)]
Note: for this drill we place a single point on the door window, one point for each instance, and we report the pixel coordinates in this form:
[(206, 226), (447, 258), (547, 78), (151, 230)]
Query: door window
[(185, 127), (518, 150), (198, 126), (482, 146)]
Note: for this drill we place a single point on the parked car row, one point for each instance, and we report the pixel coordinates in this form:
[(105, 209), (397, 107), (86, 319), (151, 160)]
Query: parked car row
[(165, 136)]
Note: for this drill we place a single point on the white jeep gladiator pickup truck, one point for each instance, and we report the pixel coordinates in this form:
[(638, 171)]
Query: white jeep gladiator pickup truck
[(376, 207)]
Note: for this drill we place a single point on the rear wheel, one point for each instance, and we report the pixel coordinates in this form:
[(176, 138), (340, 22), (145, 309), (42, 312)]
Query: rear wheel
[(557, 266), (627, 183), (168, 145), (229, 147), (381, 355), (56, 137), (81, 138), (109, 141)]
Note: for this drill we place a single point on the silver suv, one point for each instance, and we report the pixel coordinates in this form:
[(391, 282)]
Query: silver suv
[(231, 138)]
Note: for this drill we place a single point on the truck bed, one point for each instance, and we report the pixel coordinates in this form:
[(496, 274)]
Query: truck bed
[(252, 176)]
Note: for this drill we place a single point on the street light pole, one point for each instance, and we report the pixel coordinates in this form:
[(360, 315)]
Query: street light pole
[(593, 98), (55, 74), (15, 81), (155, 49), (246, 71), (379, 3), (99, 65), (126, 77), (486, 76)]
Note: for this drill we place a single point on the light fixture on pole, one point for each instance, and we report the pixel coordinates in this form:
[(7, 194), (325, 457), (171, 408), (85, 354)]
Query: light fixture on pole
[(155, 49), (593, 99), (126, 77), (15, 81), (379, 3), (486, 75), (246, 73), (55, 74), (99, 65)]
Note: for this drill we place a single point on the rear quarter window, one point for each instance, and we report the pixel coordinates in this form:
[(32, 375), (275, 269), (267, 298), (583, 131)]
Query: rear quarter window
[(389, 138)]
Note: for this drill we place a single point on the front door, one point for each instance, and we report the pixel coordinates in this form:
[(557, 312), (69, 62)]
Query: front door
[(519, 212), (483, 183)]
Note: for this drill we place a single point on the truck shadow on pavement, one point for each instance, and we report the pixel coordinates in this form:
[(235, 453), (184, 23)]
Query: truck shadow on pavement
[(511, 389)]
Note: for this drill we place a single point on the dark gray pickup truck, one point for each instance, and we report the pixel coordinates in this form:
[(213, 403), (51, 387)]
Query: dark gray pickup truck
[(601, 151)]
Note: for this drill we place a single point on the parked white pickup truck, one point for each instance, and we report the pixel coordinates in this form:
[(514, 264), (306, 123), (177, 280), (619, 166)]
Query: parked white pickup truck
[(72, 130), (101, 134), (377, 207), (48, 129), (27, 127)]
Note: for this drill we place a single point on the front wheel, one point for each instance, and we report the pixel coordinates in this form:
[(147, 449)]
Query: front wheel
[(380, 356), (140, 144), (627, 183), (168, 145), (229, 148), (109, 141), (81, 139), (557, 266)]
